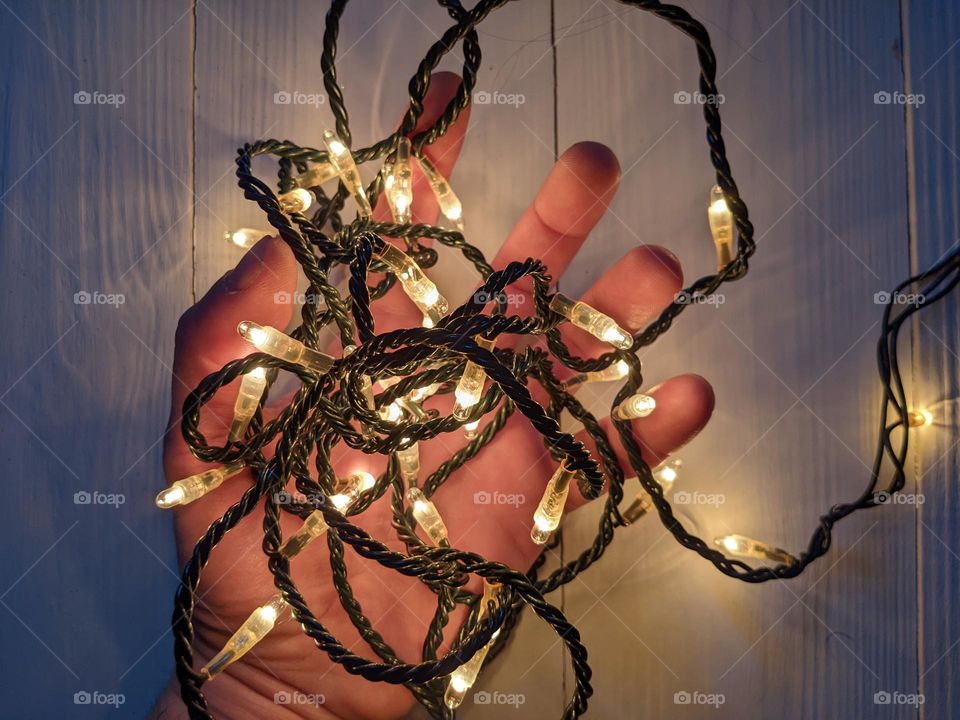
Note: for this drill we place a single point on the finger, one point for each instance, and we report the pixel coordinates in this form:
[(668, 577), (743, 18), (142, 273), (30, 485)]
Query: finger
[(684, 405), (207, 337), (395, 310), (571, 201)]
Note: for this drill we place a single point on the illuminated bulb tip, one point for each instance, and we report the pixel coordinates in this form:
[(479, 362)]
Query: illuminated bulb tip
[(635, 406), (260, 622), (427, 516), (340, 501), (591, 320), (743, 546), (431, 296), (297, 200), (279, 345), (546, 519), (721, 227), (170, 497), (730, 543), (427, 321), (245, 237), (471, 429), (337, 147)]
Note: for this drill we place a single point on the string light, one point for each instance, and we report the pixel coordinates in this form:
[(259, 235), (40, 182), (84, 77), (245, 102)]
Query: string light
[(426, 515), (617, 371), (342, 159), (943, 412), (471, 429), (315, 422), (409, 459), (666, 474), (463, 678), (248, 400), (447, 200), (273, 342), (470, 387), (253, 630), (417, 286), (398, 184), (635, 406), (245, 238), (721, 227), (196, 486), (743, 546), (603, 327), (547, 517), (297, 200)]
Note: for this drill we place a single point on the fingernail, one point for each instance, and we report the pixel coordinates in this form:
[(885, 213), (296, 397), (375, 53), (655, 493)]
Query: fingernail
[(249, 268)]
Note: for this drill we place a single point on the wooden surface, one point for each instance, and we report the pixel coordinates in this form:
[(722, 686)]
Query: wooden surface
[(848, 196)]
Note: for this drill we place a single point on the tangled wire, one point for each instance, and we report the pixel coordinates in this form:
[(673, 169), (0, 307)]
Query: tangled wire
[(329, 407)]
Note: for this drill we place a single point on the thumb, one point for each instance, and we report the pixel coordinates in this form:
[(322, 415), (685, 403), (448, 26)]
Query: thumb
[(260, 289)]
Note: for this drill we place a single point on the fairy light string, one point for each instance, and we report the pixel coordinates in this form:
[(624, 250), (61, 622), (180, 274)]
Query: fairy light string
[(332, 404)]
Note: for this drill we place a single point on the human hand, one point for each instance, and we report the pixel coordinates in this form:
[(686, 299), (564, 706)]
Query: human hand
[(634, 290)]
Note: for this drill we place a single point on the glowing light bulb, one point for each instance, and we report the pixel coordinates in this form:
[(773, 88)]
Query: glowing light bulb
[(944, 412), (471, 429), (196, 486), (245, 237), (273, 342), (398, 185), (342, 158), (409, 459), (248, 399), (463, 678), (427, 517), (422, 393), (470, 387), (721, 227), (417, 286), (635, 406), (547, 517), (603, 327), (743, 546), (297, 200), (350, 488), (253, 630), (447, 200), (617, 371), (391, 413), (666, 475), (317, 175)]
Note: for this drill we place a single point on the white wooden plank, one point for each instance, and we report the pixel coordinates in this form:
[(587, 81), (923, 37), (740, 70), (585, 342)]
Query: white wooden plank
[(95, 199), (932, 71), (790, 353)]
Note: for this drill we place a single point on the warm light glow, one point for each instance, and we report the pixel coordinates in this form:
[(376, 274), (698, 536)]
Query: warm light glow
[(196, 486), (342, 159), (601, 326), (616, 371), (398, 183), (248, 400), (546, 519), (470, 387), (260, 622), (471, 429), (743, 546), (245, 237), (426, 515), (447, 200), (273, 342), (297, 200), (409, 459), (635, 406), (417, 286), (721, 227)]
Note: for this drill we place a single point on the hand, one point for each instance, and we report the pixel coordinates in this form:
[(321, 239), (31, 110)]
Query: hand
[(634, 290)]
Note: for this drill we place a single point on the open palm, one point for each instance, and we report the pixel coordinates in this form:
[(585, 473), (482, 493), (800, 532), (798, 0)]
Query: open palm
[(571, 201)]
